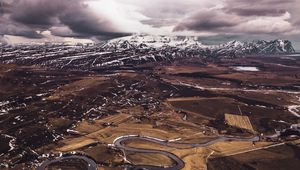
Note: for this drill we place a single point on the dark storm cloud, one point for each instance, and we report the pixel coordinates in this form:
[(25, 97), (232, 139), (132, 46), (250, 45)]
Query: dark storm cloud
[(27, 17), (5, 7), (67, 32), (105, 19), (207, 21), (258, 7), (9, 27), (39, 12), (265, 3), (203, 25), (19, 31), (80, 20), (244, 17), (257, 11), (111, 35), (45, 14)]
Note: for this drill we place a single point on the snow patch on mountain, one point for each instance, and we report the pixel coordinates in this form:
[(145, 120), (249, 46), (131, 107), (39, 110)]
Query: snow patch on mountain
[(155, 41), (191, 43)]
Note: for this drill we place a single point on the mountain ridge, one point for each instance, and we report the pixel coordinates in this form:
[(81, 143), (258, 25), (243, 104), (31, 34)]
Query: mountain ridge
[(135, 50), (191, 43)]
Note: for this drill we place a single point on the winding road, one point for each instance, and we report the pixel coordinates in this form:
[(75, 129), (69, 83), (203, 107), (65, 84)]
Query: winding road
[(91, 164), (179, 164), (119, 143)]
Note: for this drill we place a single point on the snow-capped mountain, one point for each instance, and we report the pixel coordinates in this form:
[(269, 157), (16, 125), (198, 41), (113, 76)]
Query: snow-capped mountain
[(191, 43), (276, 46), (155, 41), (134, 50), (237, 48)]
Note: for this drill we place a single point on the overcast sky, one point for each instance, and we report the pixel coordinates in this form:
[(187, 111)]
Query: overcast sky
[(91, 20)]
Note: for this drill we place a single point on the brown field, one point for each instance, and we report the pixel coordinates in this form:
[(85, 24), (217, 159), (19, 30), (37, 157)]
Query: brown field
[(103, 154), (280, 157), (93, 126), (149, 159), (208, 108), (211, 68), (266, 78), (77, 86), (239, 121), (187, 101)]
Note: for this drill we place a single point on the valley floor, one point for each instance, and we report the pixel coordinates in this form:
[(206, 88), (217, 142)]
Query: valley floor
[(181, 105)]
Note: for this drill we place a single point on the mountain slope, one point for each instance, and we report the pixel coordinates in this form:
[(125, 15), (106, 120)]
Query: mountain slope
[(134, 50), (191, 43)]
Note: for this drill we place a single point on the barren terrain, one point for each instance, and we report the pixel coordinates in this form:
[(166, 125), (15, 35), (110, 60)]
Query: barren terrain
[(49, 113)]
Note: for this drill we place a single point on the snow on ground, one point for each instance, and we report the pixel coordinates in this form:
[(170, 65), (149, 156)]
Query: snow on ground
[(12, 141), (266, 91), (242, 68), (294, 55), (295, 109), (4, 103), (3, 110)]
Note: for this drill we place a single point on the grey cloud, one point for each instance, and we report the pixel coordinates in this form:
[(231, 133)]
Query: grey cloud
[(26, 17), (5, 7), (72, 18), (74, 15), (258, 7), (165, 9), (83, 21), (207, 21), (265, 8), (168, 12), (63, 31), (2, 40), (19, 31), (39, 12), (257, 11), (244, 17), (157, 23), (111, 35), (12, 28)]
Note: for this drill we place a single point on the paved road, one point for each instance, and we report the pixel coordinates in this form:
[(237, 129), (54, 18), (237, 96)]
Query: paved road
[(119, 143), (91, 164), (179, 164)]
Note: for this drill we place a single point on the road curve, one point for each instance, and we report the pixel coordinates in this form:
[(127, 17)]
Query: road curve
[(91, 164), (120, 144), (179, 164)]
